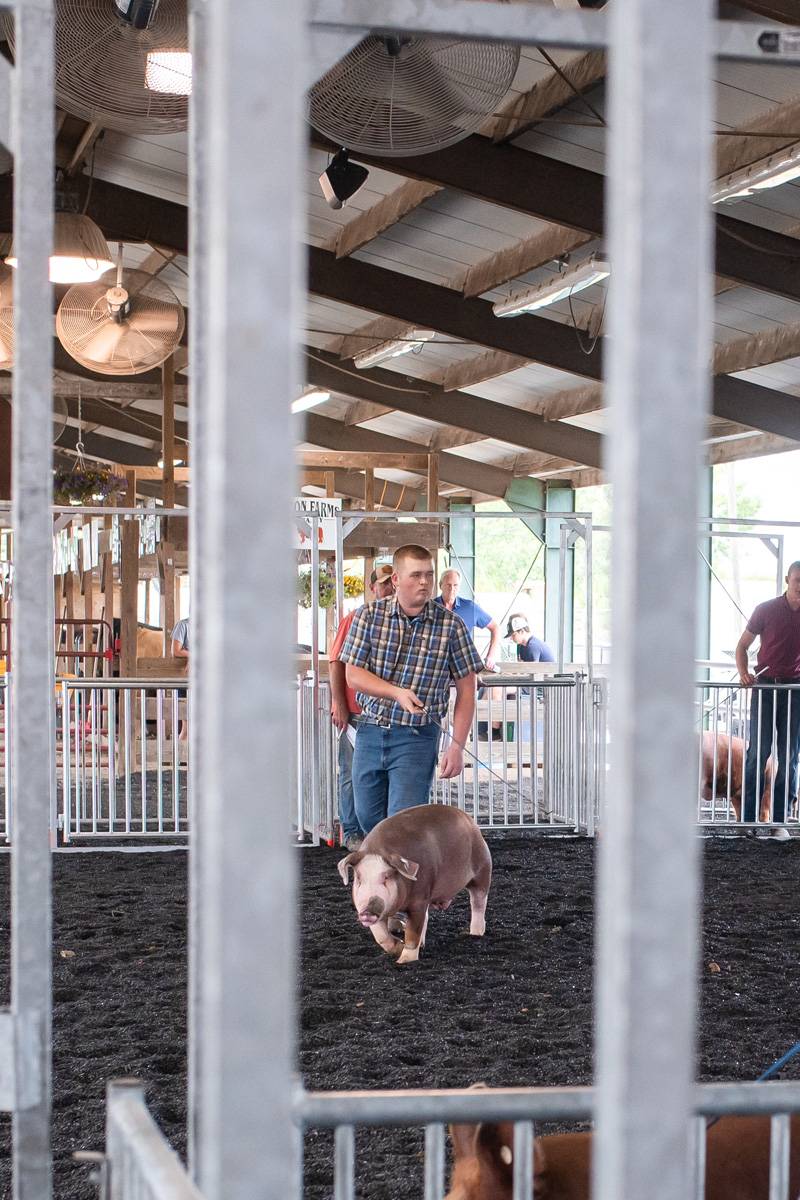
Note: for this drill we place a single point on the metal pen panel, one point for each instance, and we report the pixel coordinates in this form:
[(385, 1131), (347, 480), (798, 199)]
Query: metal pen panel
[(344, 1161), (434, 1162), (780, 1133), (32, 682), (660, 341)]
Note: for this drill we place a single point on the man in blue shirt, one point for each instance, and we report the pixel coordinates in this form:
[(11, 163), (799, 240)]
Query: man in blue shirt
[(529, 648), (473, 616)]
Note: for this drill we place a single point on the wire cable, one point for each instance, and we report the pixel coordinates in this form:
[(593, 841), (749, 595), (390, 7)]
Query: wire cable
[(390, 387)]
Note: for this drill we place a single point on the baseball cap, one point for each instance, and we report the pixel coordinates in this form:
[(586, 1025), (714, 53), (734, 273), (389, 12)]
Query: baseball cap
[(516, 624), (380, 573)]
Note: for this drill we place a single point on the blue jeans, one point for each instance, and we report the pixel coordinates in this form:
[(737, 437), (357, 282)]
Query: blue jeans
[(347, 806), (787, 719), (392, 769)]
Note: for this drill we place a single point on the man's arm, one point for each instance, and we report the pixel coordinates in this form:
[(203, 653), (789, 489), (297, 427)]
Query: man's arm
[(179, 651), (452, 761), (370, 684), (493, 653), (742, 665), (340, 712)]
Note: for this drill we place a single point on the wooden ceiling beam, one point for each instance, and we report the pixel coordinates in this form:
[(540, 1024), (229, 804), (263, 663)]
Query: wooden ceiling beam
[(362, 462), (548, 95), (463, 411), (351, 484), (390, 209), (463, 472)]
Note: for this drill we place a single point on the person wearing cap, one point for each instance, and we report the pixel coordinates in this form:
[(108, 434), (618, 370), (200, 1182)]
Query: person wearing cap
[(473, 616), (529, 648), (345, 709)]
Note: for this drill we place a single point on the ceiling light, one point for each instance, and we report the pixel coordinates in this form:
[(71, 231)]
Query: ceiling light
[(771, 172), (393, 349), (571, 281), (169, 72), (176, 462), (341, 179), (310, 400), (80, 252)]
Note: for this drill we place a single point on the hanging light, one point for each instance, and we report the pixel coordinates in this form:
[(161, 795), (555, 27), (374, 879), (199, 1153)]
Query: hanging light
[(310, 400), (169, 72), (176, 462), (80, 252)]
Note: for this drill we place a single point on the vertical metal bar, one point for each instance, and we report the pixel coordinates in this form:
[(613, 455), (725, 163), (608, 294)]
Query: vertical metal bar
[(66, 771), (434, 1162), (126, 734), (660, 305), (522, 1161), (779, 1157), (344, 1161), (587, 537), (518, 729), (143, 751), (7, 751), (340, 568), (112, 758), (160, 748), (534, 704), (95, 778), (176, 757), (562, 595), (246, 1144), (698, 1144), (199, 242), (32, 682)]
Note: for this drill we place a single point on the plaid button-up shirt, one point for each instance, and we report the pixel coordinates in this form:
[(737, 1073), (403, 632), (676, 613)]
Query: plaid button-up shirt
[(423, 653)]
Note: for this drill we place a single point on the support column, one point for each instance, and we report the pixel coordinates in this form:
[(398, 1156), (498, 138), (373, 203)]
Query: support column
[(107, 588), (33, 730), (559, 588), (129, 582), (5, 450), (462, 542), (705, 545), (166, 555), (247, 1143), (659, 392)]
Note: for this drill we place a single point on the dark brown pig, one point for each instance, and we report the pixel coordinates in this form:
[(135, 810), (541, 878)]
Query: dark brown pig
[(416, 860), (737, 1162)]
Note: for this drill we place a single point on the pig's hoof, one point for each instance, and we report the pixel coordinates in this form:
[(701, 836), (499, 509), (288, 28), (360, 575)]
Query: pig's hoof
[(409, 955), (478, 930)]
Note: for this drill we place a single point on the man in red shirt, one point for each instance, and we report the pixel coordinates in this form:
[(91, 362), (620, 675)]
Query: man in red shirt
[(777, 623), (345, 708)]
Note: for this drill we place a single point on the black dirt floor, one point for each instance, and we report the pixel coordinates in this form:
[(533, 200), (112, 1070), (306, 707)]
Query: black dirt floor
[(512, 1008)]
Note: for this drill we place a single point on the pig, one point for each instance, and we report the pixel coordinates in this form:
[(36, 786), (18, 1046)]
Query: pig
[(418, 859), (737, 1162)]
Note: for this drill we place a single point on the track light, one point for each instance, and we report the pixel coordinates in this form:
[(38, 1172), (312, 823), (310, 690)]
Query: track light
[(770, 172), (341, 179), (574, 279), (393, 349), (310, 400)]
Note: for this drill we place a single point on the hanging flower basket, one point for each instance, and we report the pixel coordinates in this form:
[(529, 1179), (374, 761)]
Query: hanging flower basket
[(353, 587), (84, 484)]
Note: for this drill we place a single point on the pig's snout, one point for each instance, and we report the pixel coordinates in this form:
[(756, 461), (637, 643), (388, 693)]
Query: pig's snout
[(372, 911)]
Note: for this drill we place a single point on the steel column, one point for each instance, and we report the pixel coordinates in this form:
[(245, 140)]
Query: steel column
[(660, 305), (32, 633), (246, 906)]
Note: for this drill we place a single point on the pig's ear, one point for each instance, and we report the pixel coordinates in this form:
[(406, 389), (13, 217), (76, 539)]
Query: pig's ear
[(494, 1147), (405, 867), (344, 865)]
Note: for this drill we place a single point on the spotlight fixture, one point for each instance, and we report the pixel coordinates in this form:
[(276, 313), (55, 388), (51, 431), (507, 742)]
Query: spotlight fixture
[(176, 462), (770, 172), (310, 400), (393, 349), (137, 13), (80, 252), (341, 179), (571, 281), (169, 72)]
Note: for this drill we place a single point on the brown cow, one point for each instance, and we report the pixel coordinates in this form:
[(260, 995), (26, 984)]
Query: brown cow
[(737, 1162)]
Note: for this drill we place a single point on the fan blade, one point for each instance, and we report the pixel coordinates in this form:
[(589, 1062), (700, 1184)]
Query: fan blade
[(100, 342)]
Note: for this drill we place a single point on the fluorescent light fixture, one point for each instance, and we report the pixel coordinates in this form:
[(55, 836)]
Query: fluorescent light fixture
[(574, 279), (394, 348), (781, 167), (176, 462), (310, 400), (169, 72)]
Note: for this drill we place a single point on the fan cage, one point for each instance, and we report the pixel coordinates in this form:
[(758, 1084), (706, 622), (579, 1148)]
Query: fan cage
[(431, 94), (102, 65)]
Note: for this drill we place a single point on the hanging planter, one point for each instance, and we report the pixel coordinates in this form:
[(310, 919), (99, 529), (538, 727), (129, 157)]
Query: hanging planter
[(85, 484), (353, 587)]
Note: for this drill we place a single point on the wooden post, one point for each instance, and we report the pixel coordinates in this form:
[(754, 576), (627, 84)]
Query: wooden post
[(129, 583), (369, 505), (330, 483), (107, 588), (166, 556), (433, 482)]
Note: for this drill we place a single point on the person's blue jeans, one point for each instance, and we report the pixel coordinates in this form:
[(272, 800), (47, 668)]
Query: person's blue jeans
[(347, 807), (392, 769), (786, 704)]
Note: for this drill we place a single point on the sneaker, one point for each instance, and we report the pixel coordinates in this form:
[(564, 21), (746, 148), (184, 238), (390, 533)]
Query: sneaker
[(352, 841), (781, 834)]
